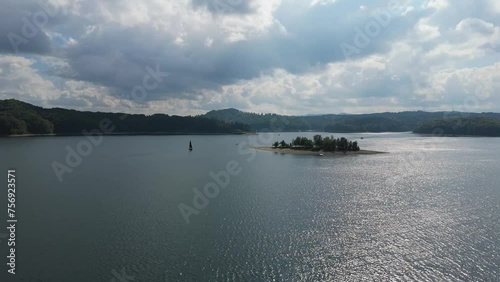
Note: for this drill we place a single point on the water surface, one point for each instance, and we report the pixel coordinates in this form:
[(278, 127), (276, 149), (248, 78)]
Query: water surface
[(428, 211)]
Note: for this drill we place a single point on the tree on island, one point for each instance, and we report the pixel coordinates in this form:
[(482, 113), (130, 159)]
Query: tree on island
[(355, 146), (318, 141), (302, 142), (327, 144), (283, 144)]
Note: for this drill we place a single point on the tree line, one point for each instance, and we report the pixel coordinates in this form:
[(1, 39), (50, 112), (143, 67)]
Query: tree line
[(338, 123), (467, 125), (318, 143), (17, 117)]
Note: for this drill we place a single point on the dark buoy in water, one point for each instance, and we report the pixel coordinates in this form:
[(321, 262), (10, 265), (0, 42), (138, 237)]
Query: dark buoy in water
[(190, 146)]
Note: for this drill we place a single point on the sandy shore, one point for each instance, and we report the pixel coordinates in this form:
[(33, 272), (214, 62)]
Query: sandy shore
[(306, 152)]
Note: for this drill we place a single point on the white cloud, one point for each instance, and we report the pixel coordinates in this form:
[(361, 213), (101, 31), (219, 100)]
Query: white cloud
[(438, 4), (426, 31), (209, 42), (496, 5), (458, 87), (20, 80), (474, 26), (322, 2), (471, 38)]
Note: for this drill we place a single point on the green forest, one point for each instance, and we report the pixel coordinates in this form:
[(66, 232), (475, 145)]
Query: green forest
[(474, 126), (318, 143), (339, 123), (18, 118)]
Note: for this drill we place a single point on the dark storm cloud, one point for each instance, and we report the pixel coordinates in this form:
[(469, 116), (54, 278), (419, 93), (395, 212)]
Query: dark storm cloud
[(117, 56), (118, 60), (21, 27)]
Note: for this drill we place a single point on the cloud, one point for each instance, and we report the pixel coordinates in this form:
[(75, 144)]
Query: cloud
[(259, 55), (20, 79), (226, 6), (242, 50), (21, 27)]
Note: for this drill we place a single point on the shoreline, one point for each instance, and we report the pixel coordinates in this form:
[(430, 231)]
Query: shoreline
[(316, 153), (454, 135), (122, 134)]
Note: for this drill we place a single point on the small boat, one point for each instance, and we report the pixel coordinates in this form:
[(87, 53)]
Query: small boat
[(190, 146), (320, 155)]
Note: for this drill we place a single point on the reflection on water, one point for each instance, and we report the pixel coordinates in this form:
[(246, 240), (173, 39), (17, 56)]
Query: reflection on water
[(428, 211)]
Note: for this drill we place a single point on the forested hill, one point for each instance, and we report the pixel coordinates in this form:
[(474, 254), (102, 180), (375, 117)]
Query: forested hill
[(341, 123), (475, 126), (17, 117), (22, 118)]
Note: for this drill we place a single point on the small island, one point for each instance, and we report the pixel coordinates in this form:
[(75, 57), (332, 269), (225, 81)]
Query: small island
[(318, 146)]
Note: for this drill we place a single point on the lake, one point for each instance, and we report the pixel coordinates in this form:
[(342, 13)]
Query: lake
[(429, 210)]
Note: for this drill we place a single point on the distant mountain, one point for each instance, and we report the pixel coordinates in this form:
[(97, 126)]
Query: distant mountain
[(17, 117), (341, 123)]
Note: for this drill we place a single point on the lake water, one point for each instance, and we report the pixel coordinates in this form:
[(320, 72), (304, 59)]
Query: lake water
[(429, 210)]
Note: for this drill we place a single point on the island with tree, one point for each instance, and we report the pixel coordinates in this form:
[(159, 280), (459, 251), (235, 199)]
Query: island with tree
[(318, 146)]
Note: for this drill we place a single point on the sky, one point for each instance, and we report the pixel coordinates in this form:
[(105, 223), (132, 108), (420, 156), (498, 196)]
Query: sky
[(295, 57)]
